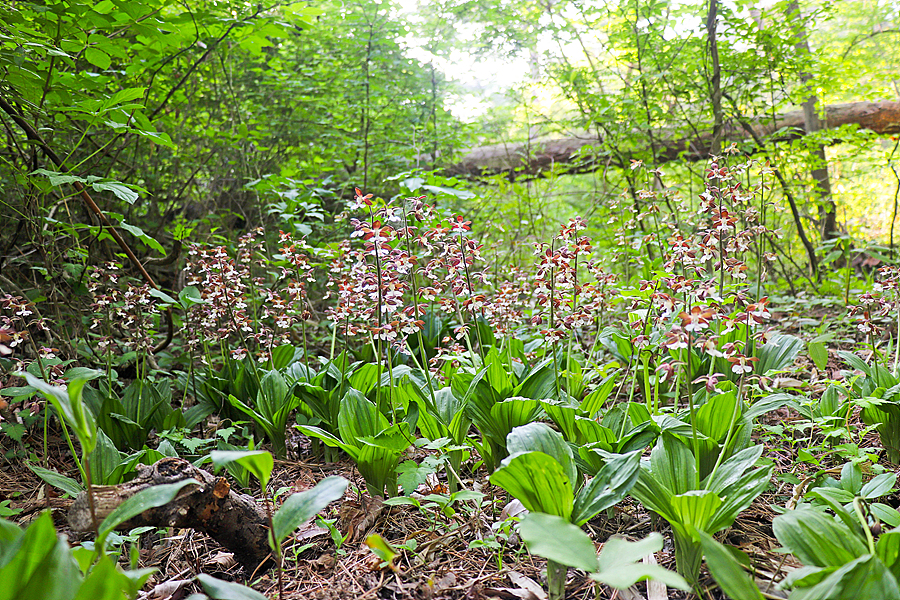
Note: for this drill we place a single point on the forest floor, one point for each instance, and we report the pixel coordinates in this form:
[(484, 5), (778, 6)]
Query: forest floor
[(463, 556)]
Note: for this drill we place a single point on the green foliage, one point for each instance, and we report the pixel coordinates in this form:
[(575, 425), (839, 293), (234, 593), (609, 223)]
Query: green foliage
[(618, 565), (272, 409), (876, 393), (540, 472), (667, 486), (839, 554), (368, 438)]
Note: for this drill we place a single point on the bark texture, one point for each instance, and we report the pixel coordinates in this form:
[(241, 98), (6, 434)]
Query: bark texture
[(234, 520), (543, 153)]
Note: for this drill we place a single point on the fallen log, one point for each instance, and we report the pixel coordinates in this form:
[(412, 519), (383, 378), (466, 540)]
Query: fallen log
[(542, 154), (236, 521)]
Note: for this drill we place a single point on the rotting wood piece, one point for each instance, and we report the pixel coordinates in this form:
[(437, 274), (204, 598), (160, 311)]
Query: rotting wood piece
[(541, 154), (234, 520)]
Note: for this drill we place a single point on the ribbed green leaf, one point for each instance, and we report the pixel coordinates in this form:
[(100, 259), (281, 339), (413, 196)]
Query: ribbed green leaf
[(816, 538), (538, 437), (727, 571), (695, 510), (258, 462), (328, 439), (302, 507), (672, 463), (713, 418), (865, 577), (564, 416), (359, 418), (733, 469), (778, 353), (611, 484), (594, 401), (538, 481), (738, 496)]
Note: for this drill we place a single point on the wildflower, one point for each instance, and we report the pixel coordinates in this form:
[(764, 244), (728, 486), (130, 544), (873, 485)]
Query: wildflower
[(741, 364), (710, 380), (697, 320)]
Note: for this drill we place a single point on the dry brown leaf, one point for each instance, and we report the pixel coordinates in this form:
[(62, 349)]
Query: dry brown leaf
[(221, 560), (527, 583), (167, 590)]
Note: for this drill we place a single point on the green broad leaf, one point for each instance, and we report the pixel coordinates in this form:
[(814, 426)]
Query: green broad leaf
[(97, 57), (653, 494), (57, 480), (878, 486), (497, 376), (733, 469), (851, 478), (139, 234), (888, 515), (739, 495), (695, 510), (817, 539), (714, 418), (769, 403), (564, 416), (159, 137), (778, 353), (851, 359), (864, 577), (554, 538), (38, 565), (611, 484), (834, 499), (57, 178), (190, 296), (167, 299), (142, 501), (620, 564), (594, 401), (300, 508), (258, 462), (104, 582), (129, 195), (358, 418), (378, 466), (538, 481), (328, 439), (539, 383), (818, 353), (727, 571), (887, 548), (225, 590), (539, 437), (673, 464)]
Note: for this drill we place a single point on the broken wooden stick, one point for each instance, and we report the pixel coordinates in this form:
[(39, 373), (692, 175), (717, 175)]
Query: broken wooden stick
[(234, 520)]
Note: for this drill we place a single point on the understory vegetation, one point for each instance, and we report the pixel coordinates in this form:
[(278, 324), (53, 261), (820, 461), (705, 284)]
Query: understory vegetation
[(250, 262)]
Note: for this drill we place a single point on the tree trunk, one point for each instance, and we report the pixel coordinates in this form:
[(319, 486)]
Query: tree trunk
[(812, 123), (715, 80), (672, 144)]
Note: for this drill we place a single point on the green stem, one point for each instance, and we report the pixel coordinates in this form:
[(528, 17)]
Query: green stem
[(556, 580)]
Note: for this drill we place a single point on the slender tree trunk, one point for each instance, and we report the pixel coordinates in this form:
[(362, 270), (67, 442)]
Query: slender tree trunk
[(812, 123), (715, 80)]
